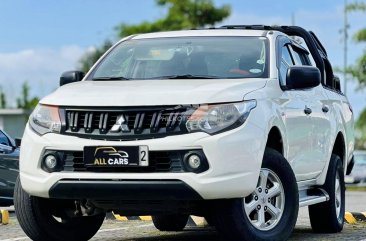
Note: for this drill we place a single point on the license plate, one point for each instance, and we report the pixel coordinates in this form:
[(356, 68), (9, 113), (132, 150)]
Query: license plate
[(116, 156)]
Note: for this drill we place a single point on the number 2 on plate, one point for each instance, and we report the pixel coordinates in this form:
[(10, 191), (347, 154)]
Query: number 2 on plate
[(144, 156)]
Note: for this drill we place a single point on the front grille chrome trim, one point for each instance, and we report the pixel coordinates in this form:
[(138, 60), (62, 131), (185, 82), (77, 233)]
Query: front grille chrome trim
[(138, 123)]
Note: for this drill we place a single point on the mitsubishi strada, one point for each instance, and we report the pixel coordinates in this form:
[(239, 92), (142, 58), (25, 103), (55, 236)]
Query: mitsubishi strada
[(239, 124)]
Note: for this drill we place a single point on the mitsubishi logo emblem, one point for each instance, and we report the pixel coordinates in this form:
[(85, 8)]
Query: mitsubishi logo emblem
[(121, 124)]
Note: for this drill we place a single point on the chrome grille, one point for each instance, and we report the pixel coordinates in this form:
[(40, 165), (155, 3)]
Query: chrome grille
[(125, 124)]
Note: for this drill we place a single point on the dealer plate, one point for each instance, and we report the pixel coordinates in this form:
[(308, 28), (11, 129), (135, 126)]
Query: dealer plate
[(116, 156)]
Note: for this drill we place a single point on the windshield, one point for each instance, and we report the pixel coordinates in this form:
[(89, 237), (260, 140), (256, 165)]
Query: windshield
[(185, 57)]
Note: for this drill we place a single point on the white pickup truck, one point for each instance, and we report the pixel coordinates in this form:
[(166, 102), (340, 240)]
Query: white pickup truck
[(239, 124)]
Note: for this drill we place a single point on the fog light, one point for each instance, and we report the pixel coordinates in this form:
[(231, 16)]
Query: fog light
[(194, 161), (50, 162)]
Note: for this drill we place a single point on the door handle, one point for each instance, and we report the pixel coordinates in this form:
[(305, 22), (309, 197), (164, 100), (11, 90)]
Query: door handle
[(307, 111), (325, 109)]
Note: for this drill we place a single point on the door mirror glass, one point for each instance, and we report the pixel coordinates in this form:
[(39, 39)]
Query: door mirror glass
[(70, 77), (302, 77)]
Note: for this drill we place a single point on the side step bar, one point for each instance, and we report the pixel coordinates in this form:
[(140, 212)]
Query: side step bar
[(312, 196)]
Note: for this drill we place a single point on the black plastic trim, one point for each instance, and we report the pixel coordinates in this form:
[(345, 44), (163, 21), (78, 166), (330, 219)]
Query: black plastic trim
[(350, 166), (123, 190), (173, 161)]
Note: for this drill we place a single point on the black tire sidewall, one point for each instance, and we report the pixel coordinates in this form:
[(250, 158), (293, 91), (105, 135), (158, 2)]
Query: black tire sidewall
[(323, 216), (339, 169), (36, 220), (173, 222), (235, 224)]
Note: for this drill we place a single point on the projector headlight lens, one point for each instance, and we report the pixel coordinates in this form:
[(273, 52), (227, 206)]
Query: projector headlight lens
[(45, 119), (221, 117)]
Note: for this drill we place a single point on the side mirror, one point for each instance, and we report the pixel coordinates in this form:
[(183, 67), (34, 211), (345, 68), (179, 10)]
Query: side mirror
[(70, 77), (337, 83), (18, 142), (302, 77)]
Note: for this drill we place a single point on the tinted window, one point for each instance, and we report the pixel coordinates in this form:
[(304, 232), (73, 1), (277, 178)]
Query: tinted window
[(286, 61), (220, 57), (3, 139), (300, 57)]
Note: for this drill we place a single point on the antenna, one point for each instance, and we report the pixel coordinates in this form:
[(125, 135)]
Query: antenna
[(345, 39)]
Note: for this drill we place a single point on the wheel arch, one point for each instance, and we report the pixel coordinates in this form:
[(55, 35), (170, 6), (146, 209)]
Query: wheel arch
[(339, 148), (275, 140)]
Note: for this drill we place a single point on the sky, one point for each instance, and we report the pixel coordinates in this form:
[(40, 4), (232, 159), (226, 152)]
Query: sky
[(40, 39)]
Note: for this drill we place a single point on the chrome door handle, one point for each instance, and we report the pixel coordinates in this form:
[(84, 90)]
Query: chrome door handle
[(307, 111)]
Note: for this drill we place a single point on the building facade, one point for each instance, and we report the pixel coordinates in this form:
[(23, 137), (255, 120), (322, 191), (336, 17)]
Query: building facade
[(13, 121)]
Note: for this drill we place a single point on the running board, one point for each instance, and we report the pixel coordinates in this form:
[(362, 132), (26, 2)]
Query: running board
[(312, 196)]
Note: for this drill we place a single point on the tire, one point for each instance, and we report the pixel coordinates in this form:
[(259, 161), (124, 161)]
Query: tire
[(210, 220), (174, 222), (38, 222), (328, 217), (236, 222)]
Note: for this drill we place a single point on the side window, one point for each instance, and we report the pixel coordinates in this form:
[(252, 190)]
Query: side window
[(3, 139), (300, 56), (286, 61)]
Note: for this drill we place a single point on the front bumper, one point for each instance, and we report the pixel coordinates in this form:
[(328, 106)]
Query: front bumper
[(234, 159), (123, 190)]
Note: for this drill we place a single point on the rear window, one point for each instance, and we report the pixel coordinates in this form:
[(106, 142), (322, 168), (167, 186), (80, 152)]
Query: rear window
[(161, 58)]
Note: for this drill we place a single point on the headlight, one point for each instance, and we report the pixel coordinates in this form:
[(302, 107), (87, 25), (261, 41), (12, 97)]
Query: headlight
[(216, 118), (45, 119)]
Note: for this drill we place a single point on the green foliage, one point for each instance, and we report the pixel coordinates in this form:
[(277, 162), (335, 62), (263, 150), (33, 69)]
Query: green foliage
[(360, 127), (356, 6), (24, 101), (360, 36), (181, 14), (358, 71), (89, 58), (2, 99)]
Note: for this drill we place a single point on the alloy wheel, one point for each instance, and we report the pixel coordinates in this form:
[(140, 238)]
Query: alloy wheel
[(265, 206)]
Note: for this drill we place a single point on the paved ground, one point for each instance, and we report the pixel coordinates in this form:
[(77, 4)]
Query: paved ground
[(145, 231)]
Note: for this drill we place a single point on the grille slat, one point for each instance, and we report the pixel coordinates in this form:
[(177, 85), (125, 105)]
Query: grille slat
[(136, 124)]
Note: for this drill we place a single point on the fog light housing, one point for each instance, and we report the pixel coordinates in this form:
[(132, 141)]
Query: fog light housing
[(194, 161), (51, 162)]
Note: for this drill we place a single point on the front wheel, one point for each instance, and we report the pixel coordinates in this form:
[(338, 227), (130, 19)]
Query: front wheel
[(43, 219), (270, 212), (328, 217)]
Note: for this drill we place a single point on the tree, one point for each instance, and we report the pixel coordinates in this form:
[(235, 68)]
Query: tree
[(88, 59), (181, 14), (24, 101), (359, 72), (2, 99), (360, 126)]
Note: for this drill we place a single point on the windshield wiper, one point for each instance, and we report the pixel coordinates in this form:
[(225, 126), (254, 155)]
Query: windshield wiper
[(187, 76), (111, 78)]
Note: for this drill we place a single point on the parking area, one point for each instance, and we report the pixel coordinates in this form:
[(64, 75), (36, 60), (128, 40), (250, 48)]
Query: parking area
[(113, 230)]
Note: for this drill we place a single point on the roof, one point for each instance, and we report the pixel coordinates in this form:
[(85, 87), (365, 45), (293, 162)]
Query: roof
[(203, 32)]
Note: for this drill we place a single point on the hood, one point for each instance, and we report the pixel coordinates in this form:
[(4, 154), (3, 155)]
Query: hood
[(152, 92)]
